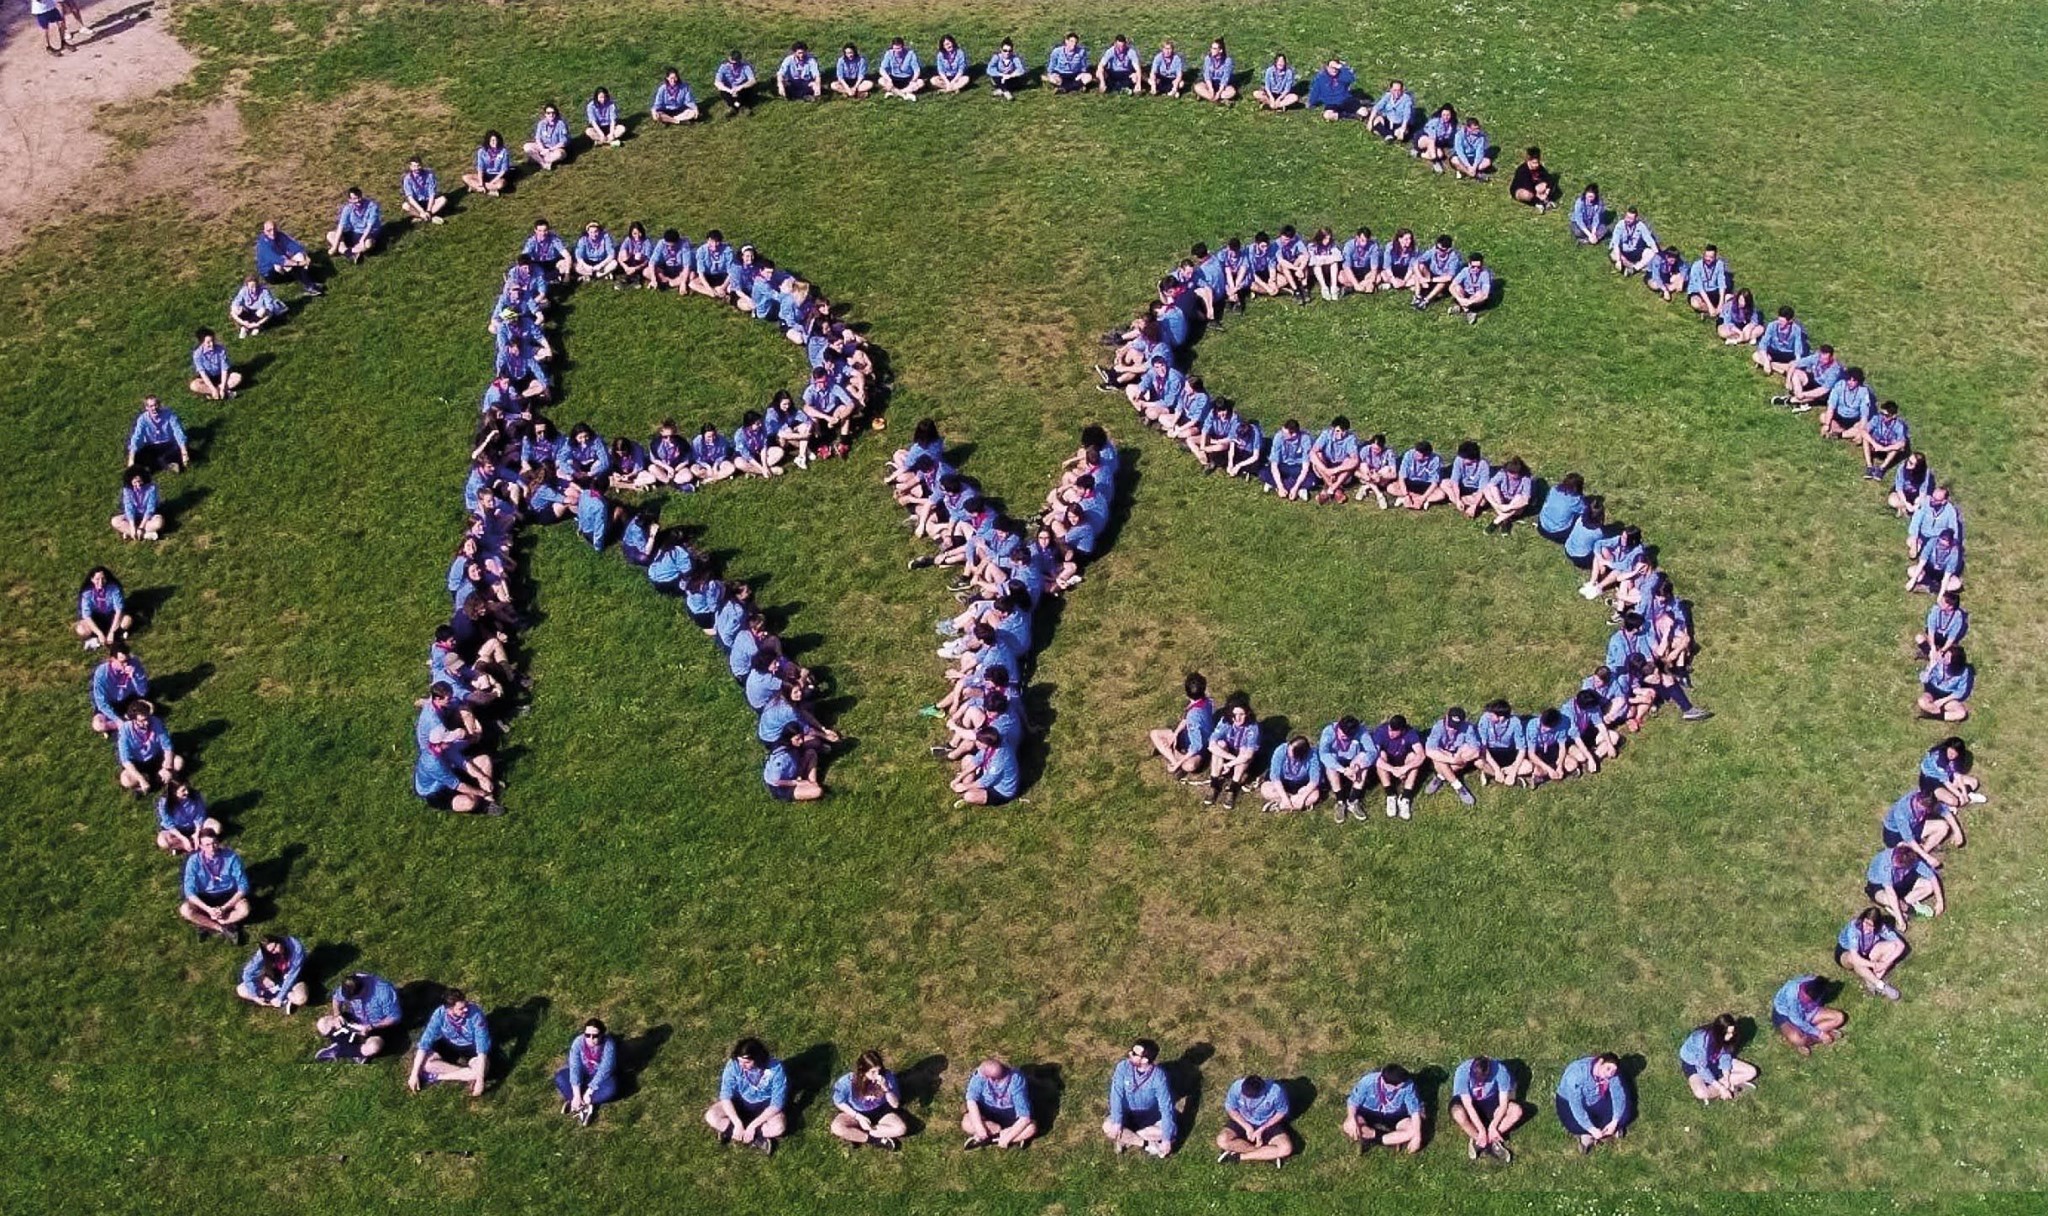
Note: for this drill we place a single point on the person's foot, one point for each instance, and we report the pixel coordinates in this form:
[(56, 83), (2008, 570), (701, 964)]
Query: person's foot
[(1471, 1149), (1230, 799), (201, 935), (92, 643), (1780, 399), (765, 1146), (1586, 1142), (493, 809), (568, 1108), (1697, 713), (973, 1142), (1156, 1148), (1465, 796), (1270, 807), (930, 711), (1501, 1152), (923, 563), (1209, 799), (1393, 807), (941, 751), (1921, 908), (328, 1054), (1977, 798), (1226, 1157), (887, 1143), (1407, 809), (316, 290), (234, 934), (1339, 810)]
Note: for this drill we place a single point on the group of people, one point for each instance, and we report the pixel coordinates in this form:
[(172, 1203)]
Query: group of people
[(1006, 568), (525, 470)]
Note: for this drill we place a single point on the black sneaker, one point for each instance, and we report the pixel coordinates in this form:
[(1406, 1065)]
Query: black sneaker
[(1229, 804), (765, 1147), (725, 1134), (1226, 1157), (973, 1144), (890, 1143)]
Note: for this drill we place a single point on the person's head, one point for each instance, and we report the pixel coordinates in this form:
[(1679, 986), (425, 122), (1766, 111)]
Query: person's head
[(493, 140), (1873, 919), (733, 56), (456, 1002), (1606, 1065), (1951, 600), (1398, 724), (949, 44), (1008, 47), (1708, 254), (1217, 49), (1299, 747), (593, 1031), (354, 986), (1722, 1031), (1423, 448), (139, 711), (1533, 157), (1166, 48), (1477, 261), (996, 702), (799, 50), (1631, 215), (269, 227), (1252, 1086), (714, 237), (1393, 1076), (273, 946), (442, 692), (1443, 241), (1592, 192), (1121, 43), (1071, 40), (1467, 449), (1144, 1054), (602, 96), (993, 1068), (1238, 708), (1447, 114), (868, 1066), (750, 1053), (152, 405), (1341, 425), (1497, 708), (1396, 88), (988, 737), (208, 842), (99, 577), (1471, 122), (1939, 494), (550, 112), (849, 52)]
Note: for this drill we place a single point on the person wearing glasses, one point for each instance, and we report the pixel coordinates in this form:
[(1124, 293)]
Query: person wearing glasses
[(1141, 1113), (589, 1079), (869, 1103)]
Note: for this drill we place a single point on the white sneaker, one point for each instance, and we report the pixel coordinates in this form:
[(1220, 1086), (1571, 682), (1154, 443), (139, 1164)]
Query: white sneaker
[(1393, 807), (1157, 1148), (1589, 591), (1407, 809), (92, 643), (1977, 799)]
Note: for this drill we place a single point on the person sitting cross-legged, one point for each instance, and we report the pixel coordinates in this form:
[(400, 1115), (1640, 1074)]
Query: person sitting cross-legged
[(455, 1046), (1255, 1112)]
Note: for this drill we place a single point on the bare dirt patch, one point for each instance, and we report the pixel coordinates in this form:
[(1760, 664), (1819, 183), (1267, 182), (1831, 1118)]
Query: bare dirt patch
[(47, 103)]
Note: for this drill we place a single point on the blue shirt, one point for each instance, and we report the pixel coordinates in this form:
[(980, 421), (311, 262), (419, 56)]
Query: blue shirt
[(210, 363), (843, 1094), (272, 252), (1337, 751), (217, 877), (1928, 521), (1007, 1095), (1501, 730), (471, 1030), (1581, 1090), (1704, 1054), (1854, 940), (141, 745), (1496, 1084), (950, 64), (1417, 467), (1171, 67), (1064, 62), (900, 63), (674, 99), (1561, 510), (1399, 111), (1373, 1095), (850, 71), (734, 75), (1259, 1111), (588, 1070), (293, 962), (1851, 403), (1787, 337), (110, 688), (1703, 276), (1632, 237), (551, 132), (1588, 214), (1884, 870), (1279, 81), (1218, 71), (1328, 92), (164, 428), (996, 770), (1469, 145), (360, 217), (602, 115), (767, 1085), (1950, 682), (782, 768), (377, 1006), (1474, 281), (1128, 1093), (182, 815), (493, 162), (1286, 768), (1795, 1005), (1005, 64), (1290, 451), (1947, 626)]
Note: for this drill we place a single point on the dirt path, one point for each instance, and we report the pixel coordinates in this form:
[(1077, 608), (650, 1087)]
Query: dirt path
[(47, 102)]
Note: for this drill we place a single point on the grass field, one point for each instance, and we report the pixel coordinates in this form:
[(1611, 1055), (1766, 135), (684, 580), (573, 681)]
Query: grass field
[(1869, 163)]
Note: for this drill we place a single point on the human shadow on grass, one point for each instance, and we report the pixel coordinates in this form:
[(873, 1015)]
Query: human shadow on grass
[(1301, 1096), (810, 1074), (143, 602), (186, 502), (326, 964), (919, 1083), (1430, 1080), (192, 740), (267, 877), (175, 687), (636, 1053), (1046, 1085), (199, 440), (512, 1030), (1184, 1081), (229, 810)]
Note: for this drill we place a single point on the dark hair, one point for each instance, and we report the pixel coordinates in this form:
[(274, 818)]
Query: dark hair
[(750, 1049), (1252, 1086), (353, 986), (453, 997), (1394, 1074), (1607, 1057), (1148, 1048)]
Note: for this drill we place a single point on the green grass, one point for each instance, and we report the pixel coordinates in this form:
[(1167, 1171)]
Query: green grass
[(644, 878)]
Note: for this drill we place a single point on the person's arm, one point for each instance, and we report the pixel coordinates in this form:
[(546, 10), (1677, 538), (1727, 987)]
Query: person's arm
[(1575, 1101), (435, 1023), (291, 976)]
